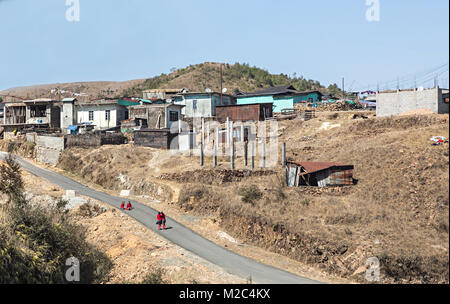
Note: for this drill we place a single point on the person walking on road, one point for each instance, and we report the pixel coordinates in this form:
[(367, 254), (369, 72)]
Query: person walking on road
[(161, 220)]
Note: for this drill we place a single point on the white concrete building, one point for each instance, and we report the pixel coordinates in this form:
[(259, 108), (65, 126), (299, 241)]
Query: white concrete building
[(103, 114)]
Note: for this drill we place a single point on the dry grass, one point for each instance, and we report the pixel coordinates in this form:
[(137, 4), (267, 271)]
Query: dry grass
[(398, 211)]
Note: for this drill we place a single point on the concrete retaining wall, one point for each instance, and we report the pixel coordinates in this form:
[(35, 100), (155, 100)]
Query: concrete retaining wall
[(48, 149)]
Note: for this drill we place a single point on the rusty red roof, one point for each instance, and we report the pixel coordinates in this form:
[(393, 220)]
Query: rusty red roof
[(311, 167)]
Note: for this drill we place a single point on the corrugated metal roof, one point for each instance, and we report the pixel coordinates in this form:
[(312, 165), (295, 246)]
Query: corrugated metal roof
[(280, 90), (311, 167)]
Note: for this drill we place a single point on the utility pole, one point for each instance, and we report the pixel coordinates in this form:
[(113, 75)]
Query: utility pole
[(343, 89), (221, 85)]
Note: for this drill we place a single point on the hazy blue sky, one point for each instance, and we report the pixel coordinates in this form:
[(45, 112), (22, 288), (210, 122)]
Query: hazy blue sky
[(120, 40)]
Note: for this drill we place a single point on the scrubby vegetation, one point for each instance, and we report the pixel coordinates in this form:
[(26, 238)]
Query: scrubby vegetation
[(36, 241), (236, 77)]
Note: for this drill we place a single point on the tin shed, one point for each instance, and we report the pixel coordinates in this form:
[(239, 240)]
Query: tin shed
[(321, 174)]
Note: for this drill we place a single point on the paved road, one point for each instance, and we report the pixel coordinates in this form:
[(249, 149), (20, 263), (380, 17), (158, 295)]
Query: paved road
[(178, 234)]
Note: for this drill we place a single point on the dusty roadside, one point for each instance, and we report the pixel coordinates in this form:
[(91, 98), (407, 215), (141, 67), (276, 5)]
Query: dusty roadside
[(206, 226), (134, 250)]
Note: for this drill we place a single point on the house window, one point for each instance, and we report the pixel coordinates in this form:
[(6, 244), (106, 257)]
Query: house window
[(194, 104), (108, 114), (91, 115), (38, 111), (173, 116), (310, 99)]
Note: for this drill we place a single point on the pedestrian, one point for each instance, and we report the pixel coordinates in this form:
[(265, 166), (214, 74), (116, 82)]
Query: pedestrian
[(122, 206), (159, 220), (163, 219), (129, 207)]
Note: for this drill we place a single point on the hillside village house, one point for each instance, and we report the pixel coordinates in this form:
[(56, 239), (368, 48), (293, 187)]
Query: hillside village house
[(161, 94), (42, 111), (157, 116), (282, 97), (202, 104), (32, 112), (102, 113)]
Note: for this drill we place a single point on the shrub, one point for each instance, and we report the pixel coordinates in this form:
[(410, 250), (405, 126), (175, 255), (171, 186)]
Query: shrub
[(35, 242), (250, 194), (156, 277)]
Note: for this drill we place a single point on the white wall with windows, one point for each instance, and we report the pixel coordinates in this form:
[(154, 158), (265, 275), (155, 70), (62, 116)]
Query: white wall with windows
[(102, 116)]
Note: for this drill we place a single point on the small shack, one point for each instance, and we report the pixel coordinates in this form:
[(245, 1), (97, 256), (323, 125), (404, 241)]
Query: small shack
[(321, 174), (244, 112), (156, 138), (157, 116)]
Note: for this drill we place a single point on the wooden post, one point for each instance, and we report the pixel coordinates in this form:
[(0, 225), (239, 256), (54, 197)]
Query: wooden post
[(246, 154), (283, 155), (202, 158), (215, 156)]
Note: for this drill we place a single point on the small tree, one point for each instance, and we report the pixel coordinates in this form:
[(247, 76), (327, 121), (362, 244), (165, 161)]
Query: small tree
[(11, 182)]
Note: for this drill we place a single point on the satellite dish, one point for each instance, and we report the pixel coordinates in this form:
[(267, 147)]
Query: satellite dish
[(208, 90), (224, 90)]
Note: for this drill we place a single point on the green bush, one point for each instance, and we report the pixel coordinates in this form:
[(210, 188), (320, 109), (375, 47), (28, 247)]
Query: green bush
[(250, 194)]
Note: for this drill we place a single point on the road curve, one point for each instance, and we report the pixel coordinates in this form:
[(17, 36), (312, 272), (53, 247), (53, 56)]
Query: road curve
[(180, 235)]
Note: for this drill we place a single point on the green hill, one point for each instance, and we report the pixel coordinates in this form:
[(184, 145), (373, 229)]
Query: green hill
[(236, 76)]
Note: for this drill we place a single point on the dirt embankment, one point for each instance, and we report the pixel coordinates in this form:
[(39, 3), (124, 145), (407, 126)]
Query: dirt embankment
[(133, 250), (115, 168), (19, 147), (398, 211), (214, 177)]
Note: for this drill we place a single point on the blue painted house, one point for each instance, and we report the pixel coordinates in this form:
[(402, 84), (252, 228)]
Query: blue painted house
[(283, 97)]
